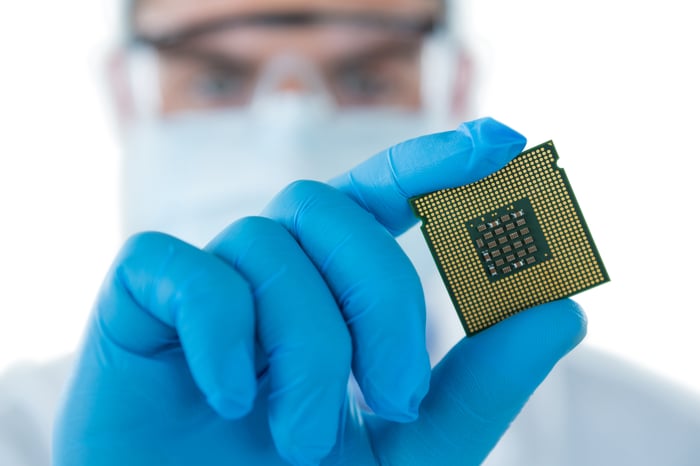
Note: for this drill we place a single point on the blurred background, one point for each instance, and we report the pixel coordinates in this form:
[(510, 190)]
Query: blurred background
[(613, 83)]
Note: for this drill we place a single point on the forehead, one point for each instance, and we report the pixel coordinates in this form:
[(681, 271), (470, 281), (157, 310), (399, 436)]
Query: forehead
[(160, 16)]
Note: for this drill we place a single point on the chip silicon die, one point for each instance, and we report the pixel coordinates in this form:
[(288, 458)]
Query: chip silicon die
[(511, 241)]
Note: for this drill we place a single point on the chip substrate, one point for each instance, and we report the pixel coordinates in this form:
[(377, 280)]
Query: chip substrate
[(511, 241)]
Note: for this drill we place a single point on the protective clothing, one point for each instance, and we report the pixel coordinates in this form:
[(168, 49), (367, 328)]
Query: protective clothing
[(174, 386), (215, 355), (240, 352)]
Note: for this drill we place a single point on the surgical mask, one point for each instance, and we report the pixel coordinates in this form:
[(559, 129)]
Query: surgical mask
[(191, 175)]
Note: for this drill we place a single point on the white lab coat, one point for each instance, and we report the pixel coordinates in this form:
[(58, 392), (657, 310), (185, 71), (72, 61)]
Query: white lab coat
[(592, 410)]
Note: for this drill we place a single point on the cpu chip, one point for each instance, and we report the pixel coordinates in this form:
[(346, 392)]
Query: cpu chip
[(511, 241)]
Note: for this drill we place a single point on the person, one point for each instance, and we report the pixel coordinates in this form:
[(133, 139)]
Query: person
[(230, 334)]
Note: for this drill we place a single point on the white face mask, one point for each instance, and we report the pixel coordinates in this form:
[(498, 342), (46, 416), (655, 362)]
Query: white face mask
[(192, 175)]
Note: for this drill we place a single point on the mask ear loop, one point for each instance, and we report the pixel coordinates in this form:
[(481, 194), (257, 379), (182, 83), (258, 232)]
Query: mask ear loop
[(439, 65), (143, 75)]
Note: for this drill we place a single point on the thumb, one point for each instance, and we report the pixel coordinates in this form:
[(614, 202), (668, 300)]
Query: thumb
[(480, 386)]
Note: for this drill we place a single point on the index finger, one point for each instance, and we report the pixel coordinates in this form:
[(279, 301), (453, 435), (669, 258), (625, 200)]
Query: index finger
[(383, 184)]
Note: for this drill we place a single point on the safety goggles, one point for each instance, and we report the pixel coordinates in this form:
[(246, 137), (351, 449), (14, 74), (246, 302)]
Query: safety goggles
[(353, 60)]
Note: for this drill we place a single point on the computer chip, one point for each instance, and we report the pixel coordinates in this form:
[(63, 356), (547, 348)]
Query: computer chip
[(511, 241)]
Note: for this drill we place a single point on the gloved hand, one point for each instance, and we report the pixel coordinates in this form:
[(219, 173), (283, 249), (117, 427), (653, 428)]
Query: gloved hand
[(240, 353)]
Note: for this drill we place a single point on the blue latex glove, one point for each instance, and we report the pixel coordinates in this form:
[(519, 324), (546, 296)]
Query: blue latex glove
[(240, 353)]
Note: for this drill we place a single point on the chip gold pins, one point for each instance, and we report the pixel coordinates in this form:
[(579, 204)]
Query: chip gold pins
[(511, 241)]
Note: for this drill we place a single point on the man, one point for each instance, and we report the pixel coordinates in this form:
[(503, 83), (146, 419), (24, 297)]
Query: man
[(239, 350)]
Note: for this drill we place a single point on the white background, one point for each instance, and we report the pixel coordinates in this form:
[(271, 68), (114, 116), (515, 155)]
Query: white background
[(613, 83)]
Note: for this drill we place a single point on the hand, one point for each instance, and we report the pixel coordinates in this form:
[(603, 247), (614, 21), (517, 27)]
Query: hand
[(240, 353)]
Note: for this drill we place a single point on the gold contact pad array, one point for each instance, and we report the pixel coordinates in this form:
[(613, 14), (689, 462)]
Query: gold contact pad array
[(574, 264)]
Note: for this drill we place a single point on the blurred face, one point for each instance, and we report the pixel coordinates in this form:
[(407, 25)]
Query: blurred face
[(215, 54), (224, 102)]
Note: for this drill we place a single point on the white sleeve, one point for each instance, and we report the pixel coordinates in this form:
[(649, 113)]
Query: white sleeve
[(597, 410), (29, 395)]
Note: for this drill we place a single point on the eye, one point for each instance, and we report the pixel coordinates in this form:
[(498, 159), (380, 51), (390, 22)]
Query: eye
[(363, 84), (220, 84)]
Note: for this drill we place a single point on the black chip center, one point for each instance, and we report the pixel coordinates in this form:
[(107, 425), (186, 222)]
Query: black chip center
[(509, 240)]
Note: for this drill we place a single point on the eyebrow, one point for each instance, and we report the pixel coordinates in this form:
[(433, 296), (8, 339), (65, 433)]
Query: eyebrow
[(388, 50), (217, 59), (417, 26)]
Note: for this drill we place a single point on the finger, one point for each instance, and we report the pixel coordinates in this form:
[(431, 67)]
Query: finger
[(376, 287), (162, 293), (383, 183), (302, 332), (480, 386)]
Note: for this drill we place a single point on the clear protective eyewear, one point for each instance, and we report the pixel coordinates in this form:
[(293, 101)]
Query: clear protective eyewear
[(350, 60)]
